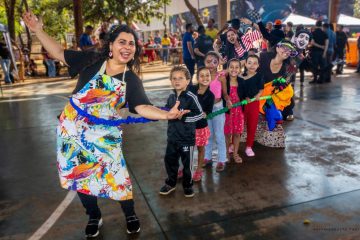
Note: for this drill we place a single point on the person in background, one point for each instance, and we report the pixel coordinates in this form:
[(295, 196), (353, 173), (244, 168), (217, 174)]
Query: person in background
[(269, 26), (5, 61), (341, 42), (319, 45), (203, 45), (157, 38), (157, 43), (211, 30), (264, 42), (50, 63), (188, 49), (289, 33), (85, 39), (274, 36), (149, 50), (165, 43), (330, 51)]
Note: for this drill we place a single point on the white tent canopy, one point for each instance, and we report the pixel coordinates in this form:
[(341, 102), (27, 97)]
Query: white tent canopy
[(348, 21), (297, 20)]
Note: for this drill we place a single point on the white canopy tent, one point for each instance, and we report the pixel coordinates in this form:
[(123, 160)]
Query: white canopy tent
[(297, 20), (348, 20)]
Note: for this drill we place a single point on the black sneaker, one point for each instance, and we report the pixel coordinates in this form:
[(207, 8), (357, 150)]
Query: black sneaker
[(132, 224), (166, 189), (189, 192), (92, 228)]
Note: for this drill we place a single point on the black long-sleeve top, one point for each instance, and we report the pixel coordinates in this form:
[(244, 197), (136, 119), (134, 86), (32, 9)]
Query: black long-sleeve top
[(183, 131), (206, 101)]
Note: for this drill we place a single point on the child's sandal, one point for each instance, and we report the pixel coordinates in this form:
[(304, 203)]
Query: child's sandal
[(237, 158)]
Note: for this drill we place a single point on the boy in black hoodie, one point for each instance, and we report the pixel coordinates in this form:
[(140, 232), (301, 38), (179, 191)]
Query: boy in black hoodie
[(181, 132)]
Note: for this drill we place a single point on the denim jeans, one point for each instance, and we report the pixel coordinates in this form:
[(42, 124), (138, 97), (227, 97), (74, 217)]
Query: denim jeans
[(51, 67), (190, 65), (216, 126), (5, 65), (165, 55)]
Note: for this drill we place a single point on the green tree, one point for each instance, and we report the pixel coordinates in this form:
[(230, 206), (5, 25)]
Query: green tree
[(123, 10), (56, 15), (194, 12)]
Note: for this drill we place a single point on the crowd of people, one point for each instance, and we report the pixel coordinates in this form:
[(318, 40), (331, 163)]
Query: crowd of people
[(243, 93)]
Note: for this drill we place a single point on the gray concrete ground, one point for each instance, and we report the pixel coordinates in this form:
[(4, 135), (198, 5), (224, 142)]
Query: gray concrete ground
[(316, 177)]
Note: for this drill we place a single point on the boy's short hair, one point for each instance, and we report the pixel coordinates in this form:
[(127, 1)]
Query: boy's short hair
[(181, 69)]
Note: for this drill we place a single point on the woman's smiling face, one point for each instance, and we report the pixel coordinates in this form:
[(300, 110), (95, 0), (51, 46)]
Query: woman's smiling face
[(123, 48)]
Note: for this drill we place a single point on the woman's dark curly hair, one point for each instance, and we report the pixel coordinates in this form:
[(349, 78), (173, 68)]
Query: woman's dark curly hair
[(110, 37)]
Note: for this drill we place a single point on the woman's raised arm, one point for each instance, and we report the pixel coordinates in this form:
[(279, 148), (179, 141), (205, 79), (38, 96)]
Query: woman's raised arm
[(52, 47)]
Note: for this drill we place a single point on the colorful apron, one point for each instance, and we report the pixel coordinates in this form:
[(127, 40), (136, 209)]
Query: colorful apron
[(89, 147)]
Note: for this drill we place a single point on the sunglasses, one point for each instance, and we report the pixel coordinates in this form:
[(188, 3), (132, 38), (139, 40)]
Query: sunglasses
[(291, 52)]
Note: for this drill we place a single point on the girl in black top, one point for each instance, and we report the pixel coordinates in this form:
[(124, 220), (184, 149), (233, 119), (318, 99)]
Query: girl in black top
[(252, 85), (79, 162), (206, 99)]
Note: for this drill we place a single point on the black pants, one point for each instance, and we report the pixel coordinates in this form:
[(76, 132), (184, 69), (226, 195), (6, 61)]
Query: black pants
[(288, 110), (190, 64), (339, 54), (328, 67), (319, 65), (174, 151), (92, 209)]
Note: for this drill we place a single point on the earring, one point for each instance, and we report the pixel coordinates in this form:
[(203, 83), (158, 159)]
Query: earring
[(110, 55)]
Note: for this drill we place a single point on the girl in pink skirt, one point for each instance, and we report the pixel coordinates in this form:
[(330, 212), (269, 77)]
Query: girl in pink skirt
[(206, 99), (234, 118)]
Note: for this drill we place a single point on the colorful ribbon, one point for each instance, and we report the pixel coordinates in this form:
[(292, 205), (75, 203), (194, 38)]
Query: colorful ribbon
[(241, 103), (108, 122)]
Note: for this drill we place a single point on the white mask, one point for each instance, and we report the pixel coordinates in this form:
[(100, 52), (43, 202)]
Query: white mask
[(302, 40)]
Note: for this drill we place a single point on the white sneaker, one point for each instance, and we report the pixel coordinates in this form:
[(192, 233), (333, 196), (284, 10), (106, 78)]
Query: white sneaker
[(249, 152)]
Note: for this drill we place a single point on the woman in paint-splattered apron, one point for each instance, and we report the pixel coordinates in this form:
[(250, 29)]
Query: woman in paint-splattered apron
[(89, 154), (89, 146)]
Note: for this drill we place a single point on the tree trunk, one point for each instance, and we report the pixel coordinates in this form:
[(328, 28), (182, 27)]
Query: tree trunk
[(333, 10), (194, 12), (10, 14), (21, 60), (28, 33), (78, 19)]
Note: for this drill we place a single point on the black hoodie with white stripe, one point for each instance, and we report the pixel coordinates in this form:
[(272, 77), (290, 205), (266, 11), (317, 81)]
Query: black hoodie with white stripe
[(183, 131)]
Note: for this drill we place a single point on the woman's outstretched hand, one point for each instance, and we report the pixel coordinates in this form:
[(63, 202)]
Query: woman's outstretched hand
[(175, 113), (32, 22)]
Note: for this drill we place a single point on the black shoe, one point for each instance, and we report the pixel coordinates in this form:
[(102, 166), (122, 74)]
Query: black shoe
[(189, 192), (92, 228), (312, 82), (166, 189), (132, 224)]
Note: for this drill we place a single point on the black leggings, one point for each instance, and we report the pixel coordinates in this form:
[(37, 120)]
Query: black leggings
[(92, 209)]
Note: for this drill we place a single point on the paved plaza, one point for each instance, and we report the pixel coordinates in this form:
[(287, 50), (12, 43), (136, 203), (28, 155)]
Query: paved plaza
[(309, 190)]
